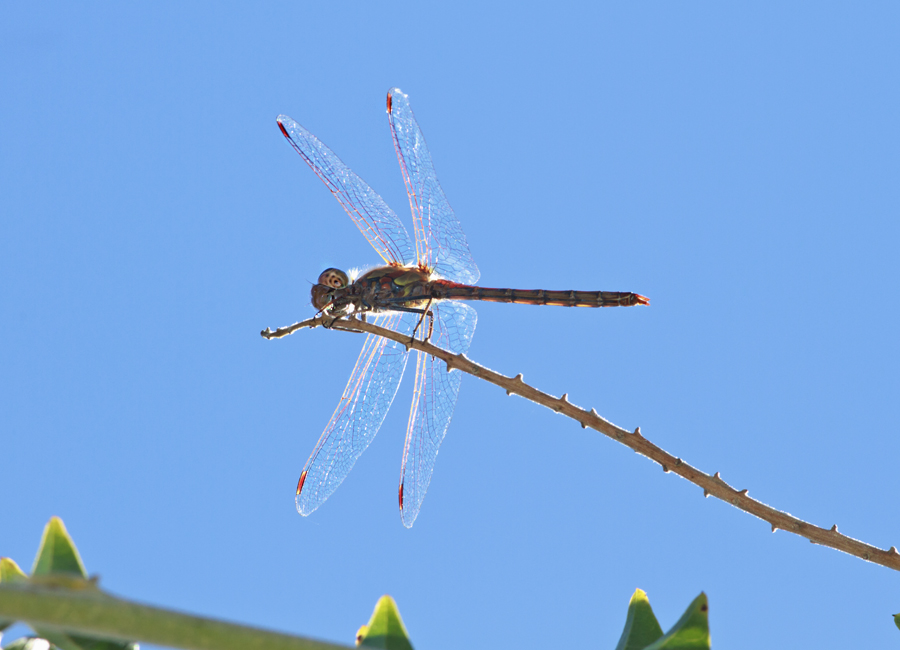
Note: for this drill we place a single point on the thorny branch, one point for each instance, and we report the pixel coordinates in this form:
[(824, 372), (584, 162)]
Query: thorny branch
[(711, 485)]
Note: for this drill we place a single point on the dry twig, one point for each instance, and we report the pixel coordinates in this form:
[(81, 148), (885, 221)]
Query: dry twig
[(711, 485)]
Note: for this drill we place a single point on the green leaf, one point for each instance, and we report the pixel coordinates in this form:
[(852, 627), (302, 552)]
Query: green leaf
[(691, 632), (385, 629), (65, 641), (97, 614), (57, 554), (9, 572), (641, 626), (897, 620), (59, 565)]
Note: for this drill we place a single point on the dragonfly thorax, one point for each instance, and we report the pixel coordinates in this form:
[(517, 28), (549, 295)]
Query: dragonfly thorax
[(384, 288)]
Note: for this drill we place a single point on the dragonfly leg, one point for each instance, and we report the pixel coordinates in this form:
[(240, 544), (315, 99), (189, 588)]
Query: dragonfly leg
[(426, 312), (430, 325), (327, 319)]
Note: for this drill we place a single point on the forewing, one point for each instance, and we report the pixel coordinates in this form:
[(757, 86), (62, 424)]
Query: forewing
[(358, 416), (434, 399), (440, 241), (377, 222)]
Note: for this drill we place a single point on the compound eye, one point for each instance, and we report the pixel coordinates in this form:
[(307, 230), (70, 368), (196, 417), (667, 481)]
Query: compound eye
[(321, 296), (334, 278)]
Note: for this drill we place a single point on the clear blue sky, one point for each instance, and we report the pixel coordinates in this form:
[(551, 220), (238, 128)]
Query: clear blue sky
[(739, 166)]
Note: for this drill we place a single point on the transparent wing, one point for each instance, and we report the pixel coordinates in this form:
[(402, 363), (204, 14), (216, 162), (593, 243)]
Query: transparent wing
[(377, 222), (440, 240), (434, 398), (358, 416)]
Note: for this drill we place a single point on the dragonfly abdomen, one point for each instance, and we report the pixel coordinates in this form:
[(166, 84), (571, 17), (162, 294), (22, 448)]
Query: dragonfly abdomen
[(453, 291)]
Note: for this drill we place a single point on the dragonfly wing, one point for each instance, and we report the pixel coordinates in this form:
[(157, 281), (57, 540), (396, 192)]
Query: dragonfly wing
[(440, 241), (434, 398), (377, 222), (358, 416)]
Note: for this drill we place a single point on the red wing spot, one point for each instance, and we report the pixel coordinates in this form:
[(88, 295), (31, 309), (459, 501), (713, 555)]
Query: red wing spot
[(401, 496), (389, 99), (301, 482), (283, 130)]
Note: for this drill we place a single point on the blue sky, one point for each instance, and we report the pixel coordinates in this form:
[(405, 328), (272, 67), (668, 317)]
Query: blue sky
[(738, 165)]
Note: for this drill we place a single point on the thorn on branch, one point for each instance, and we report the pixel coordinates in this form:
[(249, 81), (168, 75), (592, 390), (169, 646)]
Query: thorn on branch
[(518, 378), (893, 550), (637, 432), (774, 528), (560, 402), (834, 529), (665, 469), (743, 492)]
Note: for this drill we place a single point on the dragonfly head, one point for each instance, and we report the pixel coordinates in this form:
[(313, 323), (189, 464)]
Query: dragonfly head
[(329, 281)]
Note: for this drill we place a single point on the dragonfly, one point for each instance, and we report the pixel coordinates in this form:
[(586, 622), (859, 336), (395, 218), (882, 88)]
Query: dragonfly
[(420, 291)]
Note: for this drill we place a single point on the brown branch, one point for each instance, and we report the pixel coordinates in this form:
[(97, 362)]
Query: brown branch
[(711, 485)]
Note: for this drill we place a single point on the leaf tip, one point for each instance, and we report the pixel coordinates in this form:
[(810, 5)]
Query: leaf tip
[(57, 552), (385, 629)]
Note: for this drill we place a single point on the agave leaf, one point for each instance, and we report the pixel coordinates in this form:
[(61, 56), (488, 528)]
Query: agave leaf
[(641, 626), (57, 553), (385, 629), (691, 632)]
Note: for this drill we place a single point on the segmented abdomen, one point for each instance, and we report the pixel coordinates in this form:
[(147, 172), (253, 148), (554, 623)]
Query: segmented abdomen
[(453, 291)]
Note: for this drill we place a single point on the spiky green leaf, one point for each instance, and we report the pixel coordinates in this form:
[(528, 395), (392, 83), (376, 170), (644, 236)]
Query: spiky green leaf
[(57, 554), (58, 564), (9, 572), (385, 629), (641, 626), (691, 632)]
